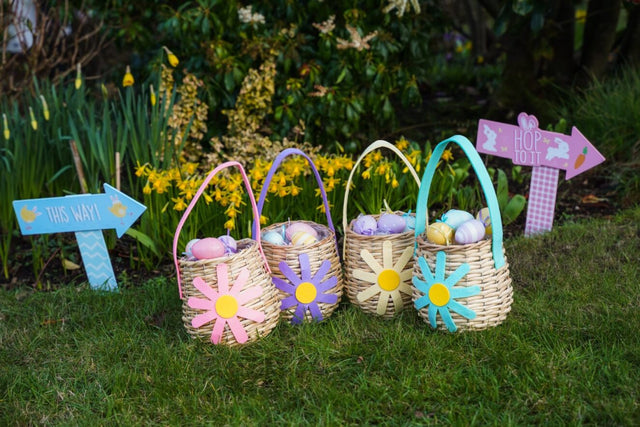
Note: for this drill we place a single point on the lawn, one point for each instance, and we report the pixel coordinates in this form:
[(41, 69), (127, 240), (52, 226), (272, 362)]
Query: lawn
[(568, 353)]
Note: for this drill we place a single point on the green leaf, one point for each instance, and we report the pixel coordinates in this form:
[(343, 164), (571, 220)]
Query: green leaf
[(144, 240), (513, 209), (502, 191)]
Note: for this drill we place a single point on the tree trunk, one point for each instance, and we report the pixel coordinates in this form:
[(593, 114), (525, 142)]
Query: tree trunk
[(562, 28), (599, 36)]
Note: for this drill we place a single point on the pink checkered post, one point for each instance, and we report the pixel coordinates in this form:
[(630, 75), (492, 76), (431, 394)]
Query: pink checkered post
[(542, 200)]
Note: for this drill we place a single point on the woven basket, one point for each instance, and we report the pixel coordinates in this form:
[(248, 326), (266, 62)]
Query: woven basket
[(317, 263), (366, 257), (229, 300), (479, 292)]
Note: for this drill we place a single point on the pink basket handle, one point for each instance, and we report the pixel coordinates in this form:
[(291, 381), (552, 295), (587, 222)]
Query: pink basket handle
[(265, 187), (187, 212)]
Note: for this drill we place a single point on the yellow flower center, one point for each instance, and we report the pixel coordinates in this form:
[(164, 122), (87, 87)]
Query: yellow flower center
[(388, 279), (226, 306), (306, 292), (439, 294)]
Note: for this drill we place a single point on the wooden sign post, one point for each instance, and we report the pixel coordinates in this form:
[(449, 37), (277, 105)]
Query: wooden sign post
[(546, 152), (86, 215)]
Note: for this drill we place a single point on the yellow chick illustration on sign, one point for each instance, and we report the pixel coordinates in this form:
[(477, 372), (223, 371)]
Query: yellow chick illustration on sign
[(29, 215), (117, 208)]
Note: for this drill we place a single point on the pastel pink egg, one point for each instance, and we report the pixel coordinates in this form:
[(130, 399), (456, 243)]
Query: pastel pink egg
[(391, 223), (296, 227), (470, 232), (208, 248)]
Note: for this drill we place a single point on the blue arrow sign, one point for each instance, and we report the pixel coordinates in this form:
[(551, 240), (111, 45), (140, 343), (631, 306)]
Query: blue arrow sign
[(86, 215), (81, 212)]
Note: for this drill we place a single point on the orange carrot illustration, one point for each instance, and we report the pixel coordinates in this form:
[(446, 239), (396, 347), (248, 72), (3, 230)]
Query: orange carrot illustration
[(580, 159)]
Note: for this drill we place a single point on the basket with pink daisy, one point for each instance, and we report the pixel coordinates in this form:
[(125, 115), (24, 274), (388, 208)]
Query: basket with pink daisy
[(225, 285), (303, 257), (378, 252)]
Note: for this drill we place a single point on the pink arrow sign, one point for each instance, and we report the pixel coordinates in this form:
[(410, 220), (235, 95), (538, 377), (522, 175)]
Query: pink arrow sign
[(547, 152)]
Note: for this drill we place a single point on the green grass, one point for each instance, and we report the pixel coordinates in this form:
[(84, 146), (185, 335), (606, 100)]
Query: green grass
[(568, 353)]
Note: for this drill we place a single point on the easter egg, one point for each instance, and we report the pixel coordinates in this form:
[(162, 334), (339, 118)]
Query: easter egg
[(274, 238), (208, 248), (295, 227), (188, 247), (230, 244), (365, 225), (483, 215), (391, 223), (440, 233), (454, 218), (301, 238), (470, 232), (410, 222)]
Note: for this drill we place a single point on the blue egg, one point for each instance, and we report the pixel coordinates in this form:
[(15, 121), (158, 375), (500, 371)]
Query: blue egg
[(454, 218)]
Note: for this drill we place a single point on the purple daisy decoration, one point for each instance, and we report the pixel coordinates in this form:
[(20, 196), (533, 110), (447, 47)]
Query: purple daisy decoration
[(306, 291)]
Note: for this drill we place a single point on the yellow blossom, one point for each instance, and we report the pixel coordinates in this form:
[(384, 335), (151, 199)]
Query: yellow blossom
[(34, 123), (447, 155), (207, 198), (147, 188), (128, 79), (179, 204), (394, 183), (45, 108), (230, 224), (402, 144), (173, 60), (366, 174), (141, 170), (294, 190), (78, 81), (7, 132), (283, 191), (152, 95), (263, 220)]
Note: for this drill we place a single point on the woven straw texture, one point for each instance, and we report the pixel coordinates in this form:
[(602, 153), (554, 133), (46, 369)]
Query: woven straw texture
[(354, 244), (493, 302), (324, 249), (248, 256)]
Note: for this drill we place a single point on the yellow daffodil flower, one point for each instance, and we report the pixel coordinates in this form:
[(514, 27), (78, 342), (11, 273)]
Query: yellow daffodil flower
[(128, 79), (78, 82), (45, 108), (173, 60), (230, 224), (152, 96), (447, 155), (179, 204), (7, 132), (34, 123)]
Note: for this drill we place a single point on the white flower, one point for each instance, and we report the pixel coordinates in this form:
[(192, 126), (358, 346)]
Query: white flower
[(401, 6), (247, 17)]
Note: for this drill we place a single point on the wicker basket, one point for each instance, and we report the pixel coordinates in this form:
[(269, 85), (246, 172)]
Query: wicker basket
[(229, 300), (478, 292), (367, 259), (316, 265)]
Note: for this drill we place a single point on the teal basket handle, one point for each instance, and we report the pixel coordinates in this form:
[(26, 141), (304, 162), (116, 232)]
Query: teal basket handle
[(485, 183)]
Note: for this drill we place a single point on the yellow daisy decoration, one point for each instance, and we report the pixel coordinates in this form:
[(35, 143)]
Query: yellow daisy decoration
[(388, 280)]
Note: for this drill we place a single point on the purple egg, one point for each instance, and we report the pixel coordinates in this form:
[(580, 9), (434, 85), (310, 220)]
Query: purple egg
[(365, 225), (230, 244), (470, 232), (391, 223)]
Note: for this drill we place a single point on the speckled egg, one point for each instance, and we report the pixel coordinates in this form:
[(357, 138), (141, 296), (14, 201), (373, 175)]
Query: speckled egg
[(295, 227), (470, 232), (440, 233), (301, 238), (454, 218), (274, 238), (483, 215), (391, 224), (230, 244), (208, 248), (365, 225), (188, 247)]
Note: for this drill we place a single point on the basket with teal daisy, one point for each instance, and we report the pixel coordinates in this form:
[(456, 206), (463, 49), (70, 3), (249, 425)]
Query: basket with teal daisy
[(303, 257), (228, 299), (378, 267), (461, 286)]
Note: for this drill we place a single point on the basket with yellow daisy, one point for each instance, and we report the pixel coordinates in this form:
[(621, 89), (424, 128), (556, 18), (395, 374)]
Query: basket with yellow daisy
[(303, 257), (225, 285), (378, 252), (461, 281)]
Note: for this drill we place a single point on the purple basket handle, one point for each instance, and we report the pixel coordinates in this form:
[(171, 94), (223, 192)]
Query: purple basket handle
[(187, 212), (265, 187)]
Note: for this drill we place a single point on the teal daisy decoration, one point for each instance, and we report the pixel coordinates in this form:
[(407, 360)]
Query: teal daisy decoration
[(440, 294)]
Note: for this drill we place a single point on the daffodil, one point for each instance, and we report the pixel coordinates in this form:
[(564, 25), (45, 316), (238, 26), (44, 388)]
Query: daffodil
[(45, 108), (173, 60), (34, 123), (78, 82), (7, 132), (447, 155), (152, 96), (128, 79)]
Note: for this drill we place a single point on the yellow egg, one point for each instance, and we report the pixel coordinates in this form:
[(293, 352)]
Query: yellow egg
[(301, 238), (440, 233), (483, 215)]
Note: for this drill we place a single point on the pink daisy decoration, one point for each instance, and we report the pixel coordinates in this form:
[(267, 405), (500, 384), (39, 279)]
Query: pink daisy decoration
[(225, 305)]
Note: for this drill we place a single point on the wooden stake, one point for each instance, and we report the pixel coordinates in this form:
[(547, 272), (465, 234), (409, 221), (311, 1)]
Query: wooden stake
[(78, 164), (118, 170)]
